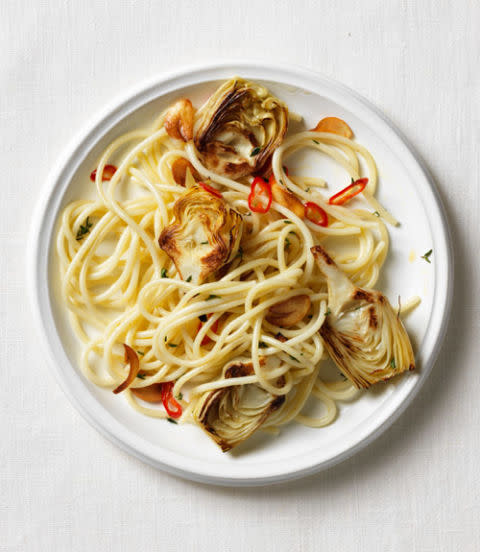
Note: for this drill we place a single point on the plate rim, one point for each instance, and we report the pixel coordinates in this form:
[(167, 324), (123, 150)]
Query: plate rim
[(40, 300)]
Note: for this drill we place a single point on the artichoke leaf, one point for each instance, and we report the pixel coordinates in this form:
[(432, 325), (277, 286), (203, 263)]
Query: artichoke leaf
[(362, 333), (231, 414), (239, 128), (204, 235)]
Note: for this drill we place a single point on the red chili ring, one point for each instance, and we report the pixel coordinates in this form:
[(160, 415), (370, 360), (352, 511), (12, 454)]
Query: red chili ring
[(260, 190), (350, 191), (210, 189), (314, 213), (108, 172)]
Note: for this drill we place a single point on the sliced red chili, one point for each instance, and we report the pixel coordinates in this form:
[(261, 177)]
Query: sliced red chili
[(314, 213), (350, 191), (206, 340), (108, 172), (260, 196), (210, 189), (173, 408)]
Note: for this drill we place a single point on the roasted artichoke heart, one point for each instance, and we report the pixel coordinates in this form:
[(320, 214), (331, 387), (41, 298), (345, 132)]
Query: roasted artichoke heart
[(204, 235), (239, 128), (362, 333), (231, 414)]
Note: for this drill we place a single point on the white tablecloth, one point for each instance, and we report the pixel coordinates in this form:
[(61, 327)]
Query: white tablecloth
[(63, 487)]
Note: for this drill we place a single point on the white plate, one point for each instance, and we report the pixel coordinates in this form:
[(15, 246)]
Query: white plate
[(405, 188)]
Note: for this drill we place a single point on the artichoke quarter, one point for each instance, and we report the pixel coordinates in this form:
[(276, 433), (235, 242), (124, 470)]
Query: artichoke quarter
[(231, 414), (239, 128), (362, 333), (204, 235)]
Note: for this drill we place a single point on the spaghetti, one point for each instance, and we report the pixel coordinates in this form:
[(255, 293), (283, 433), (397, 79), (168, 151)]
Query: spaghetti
[(120, 287)]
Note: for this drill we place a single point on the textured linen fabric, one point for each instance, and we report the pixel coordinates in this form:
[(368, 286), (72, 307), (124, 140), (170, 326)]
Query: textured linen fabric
[(64, 487)]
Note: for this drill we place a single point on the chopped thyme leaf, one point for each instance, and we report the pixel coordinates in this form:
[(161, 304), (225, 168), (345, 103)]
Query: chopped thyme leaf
[(84, 229), (282, 183), (172, 344), (287, 243), (393, 364), (171, 420), (180, 396), (328, 312), (293, 358), (255, 151), (165, 339), (163, 273), (141, 353), (262, 345), (213, 297), (240, 252), (376, 213), (352, 180), (203, 318), (189, 279), (204, 243), (307, 189), (316, 141), (288, 222), (426, 257), (141, 376)]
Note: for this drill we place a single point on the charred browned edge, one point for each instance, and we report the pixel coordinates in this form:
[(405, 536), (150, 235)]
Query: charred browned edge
[(318, 251), (224, 445), (363, 295), (234, 168), (216, 257), (211, 400), (276, 403), (240, 369), (221, 251), (220, 116), (224, 270), (166, 240), (327, 332), (372, 318), (330, 339)]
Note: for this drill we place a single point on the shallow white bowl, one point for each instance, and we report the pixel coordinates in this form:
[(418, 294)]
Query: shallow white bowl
[(405, 188)]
